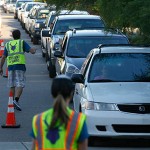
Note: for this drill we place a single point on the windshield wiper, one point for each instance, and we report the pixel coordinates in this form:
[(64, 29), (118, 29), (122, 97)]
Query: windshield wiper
[(102, 80)]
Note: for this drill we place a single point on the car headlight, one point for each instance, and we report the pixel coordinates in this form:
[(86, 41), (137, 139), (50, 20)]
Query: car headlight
[(70, 68), (99, 106), (37, 25)]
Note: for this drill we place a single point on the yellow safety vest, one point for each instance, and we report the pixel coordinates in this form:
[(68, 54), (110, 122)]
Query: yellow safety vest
[(15, 52), (68, 137)]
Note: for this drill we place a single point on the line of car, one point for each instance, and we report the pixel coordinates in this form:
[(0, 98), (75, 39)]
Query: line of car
[(111, 76)]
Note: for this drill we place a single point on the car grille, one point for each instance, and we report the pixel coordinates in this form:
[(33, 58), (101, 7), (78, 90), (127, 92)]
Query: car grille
[(135, 108), (131, 128)]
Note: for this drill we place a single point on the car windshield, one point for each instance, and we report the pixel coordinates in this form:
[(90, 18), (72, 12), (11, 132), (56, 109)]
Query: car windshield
[(19, 4), (42, 14), (29, 7), (122, 67), (63, 26), (81, 46)]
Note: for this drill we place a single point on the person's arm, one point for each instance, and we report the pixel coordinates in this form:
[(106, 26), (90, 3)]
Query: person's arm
[(1, 64), (28, 49), (83, 145), (83, 138)]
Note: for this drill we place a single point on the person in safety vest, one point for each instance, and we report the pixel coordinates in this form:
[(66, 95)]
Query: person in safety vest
[(14, 52), (60, 128)]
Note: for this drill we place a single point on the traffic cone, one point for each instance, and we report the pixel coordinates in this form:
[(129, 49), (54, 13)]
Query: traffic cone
[(6, 75), (1, 47), (10, 120)]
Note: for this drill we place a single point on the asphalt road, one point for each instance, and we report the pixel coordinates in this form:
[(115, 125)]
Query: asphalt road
[(37, 98)]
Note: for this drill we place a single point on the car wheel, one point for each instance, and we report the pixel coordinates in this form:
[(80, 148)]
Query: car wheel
[(23, 26), (35, 40), (52, 70), (46, 54), (43, 54), (31, 39)]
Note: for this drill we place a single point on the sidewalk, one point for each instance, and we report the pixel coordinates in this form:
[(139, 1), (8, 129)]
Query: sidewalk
[(15, 145)]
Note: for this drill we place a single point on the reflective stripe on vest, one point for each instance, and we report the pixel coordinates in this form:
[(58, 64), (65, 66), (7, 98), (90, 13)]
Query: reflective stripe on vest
[(72, 128), (15, 52)]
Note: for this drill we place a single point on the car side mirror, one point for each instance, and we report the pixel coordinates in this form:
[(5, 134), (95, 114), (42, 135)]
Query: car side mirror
[(46, 33), (20, 8), (58, 54), (77, 78)]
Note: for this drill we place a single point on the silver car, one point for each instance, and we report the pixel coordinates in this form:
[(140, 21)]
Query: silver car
[(113, 90)]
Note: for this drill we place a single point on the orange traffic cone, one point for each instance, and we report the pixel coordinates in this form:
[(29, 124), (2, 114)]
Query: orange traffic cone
[(1, 47), (10, 120), (6, 75)]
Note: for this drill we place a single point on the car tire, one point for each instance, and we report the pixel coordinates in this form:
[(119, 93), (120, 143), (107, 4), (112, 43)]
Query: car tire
[(52, 70), (35, 40), (43, 54)]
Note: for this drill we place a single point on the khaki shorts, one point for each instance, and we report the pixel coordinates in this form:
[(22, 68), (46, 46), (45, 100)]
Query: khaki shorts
[(16, 78)]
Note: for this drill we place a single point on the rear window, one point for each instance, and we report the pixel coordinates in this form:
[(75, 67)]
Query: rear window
[(121, 67), (64, 25), (43, 14), (81, 46)]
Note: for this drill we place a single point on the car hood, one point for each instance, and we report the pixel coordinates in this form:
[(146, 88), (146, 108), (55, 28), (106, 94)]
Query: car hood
[(127, 92), (75, 61)]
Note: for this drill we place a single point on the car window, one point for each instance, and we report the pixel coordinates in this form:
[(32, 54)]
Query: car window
[(120, 67), (18, 4), (28, 8), (42, 14), (63, 26), (81, 46)]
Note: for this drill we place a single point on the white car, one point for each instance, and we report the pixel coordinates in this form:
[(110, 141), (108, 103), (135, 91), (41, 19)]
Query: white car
[(10, 6), (27, 8), (18, 6), (113, 90), (20, 11)]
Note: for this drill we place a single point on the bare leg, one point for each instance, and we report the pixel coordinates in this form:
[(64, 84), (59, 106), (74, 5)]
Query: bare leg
[(19, 91), (12, 89)]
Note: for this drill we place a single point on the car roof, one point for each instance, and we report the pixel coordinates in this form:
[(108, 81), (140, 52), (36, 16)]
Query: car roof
[(35, 2), (24, 1), (94, 32), (67, 17), (121, 48)]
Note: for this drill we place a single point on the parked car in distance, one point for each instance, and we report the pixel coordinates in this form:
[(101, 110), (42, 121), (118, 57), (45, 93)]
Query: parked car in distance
[(20, 11), (48, 23), (26, 10), (18, 6), (10, 5), (38, 22), (77, 44), (112, 90), (64, 23)]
